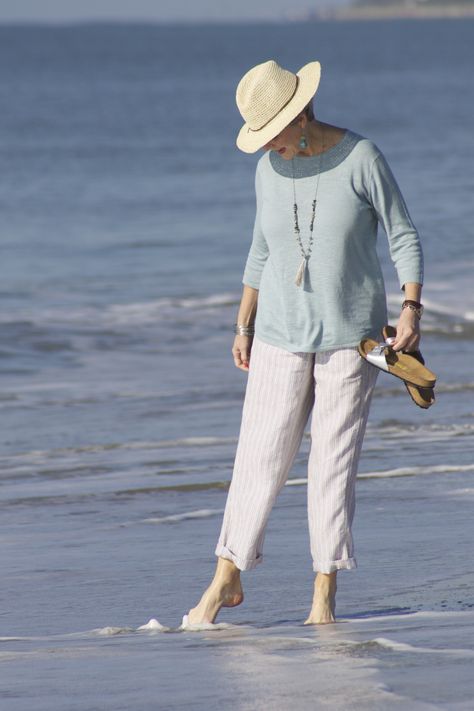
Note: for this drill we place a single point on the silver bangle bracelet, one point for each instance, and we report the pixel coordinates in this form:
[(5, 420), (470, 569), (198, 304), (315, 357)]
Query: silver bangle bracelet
[(242, 330)]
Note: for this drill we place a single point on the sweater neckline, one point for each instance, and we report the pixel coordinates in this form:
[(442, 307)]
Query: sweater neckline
[(306, 166)]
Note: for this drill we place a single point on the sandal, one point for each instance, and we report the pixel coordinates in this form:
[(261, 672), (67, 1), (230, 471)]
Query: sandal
[(423, 397), (402, 365)]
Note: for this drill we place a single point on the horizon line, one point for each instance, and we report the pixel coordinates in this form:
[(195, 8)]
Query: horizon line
[(333, 17)]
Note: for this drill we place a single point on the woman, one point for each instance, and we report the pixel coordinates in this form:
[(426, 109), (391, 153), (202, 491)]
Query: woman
[(313, 272)]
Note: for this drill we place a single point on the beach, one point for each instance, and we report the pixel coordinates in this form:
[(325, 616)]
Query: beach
[(126, 215)]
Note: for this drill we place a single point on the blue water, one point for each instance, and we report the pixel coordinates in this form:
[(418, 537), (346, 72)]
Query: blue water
[(125, 218)]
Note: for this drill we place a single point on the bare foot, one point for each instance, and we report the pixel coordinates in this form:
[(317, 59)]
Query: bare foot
[(323, 610), (224, 591)]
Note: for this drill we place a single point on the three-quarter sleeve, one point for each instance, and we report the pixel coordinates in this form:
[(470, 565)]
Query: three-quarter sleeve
[(258, 252), (392, 212)]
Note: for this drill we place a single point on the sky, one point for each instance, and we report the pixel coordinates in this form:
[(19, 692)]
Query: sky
[(157, 10)]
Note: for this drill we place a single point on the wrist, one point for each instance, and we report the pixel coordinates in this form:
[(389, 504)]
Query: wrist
[(415, 306), (241, 329)]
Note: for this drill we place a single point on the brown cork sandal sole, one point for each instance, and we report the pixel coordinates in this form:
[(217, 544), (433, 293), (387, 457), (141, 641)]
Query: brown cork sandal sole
[(402, 365), (423, 397)]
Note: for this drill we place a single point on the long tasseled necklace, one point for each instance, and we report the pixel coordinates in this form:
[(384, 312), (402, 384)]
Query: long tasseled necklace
[(305, 254)]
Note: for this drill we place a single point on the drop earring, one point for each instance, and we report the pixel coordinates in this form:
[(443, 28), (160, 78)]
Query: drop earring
[(303, 142)]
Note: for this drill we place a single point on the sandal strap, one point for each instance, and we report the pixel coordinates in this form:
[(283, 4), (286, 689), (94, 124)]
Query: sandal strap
[(377, 356)]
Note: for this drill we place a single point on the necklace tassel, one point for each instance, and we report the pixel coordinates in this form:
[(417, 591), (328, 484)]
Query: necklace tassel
[(300, 273)]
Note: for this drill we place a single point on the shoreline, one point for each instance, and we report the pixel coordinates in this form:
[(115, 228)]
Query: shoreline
[(343, 15), (371, 12)]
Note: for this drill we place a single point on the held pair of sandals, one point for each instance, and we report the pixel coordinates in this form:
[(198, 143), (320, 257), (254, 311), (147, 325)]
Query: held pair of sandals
[(409, 366)]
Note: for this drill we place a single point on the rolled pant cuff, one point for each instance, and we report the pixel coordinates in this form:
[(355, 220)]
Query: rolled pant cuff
[(241, 563), (332, 565)]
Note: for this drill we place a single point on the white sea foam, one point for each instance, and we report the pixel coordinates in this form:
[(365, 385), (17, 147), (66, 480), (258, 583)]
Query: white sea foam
[(41, 454), (453, 387), (394, 429), (142, 313), (466, 491), (415, 471), (426, 614), (199, 513), (434, 308), (139, 313), (438, 315), (153, 626), (401, 471), (297, 481), (397, 429), (110, 631), (404, 647), (186, 626)]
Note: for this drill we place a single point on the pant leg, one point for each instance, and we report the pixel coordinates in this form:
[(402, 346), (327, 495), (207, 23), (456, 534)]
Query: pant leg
[(278, 400), (344, 384)]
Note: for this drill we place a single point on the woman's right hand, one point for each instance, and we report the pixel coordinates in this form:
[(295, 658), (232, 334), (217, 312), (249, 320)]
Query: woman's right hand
[(241, 351)]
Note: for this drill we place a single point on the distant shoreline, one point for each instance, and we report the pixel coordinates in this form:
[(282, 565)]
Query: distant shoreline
[(329, 15), (372, 12)]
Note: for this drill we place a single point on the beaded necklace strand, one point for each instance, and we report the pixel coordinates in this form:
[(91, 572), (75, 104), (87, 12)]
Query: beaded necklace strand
[(305, 254)]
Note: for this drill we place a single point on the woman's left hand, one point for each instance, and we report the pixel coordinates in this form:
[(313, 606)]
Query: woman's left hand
[(408, 331)]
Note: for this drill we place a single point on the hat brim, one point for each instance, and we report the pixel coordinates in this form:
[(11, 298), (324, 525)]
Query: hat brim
[(250, 141)]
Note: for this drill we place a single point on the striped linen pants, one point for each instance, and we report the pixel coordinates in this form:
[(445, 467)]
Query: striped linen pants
[(282, 389)]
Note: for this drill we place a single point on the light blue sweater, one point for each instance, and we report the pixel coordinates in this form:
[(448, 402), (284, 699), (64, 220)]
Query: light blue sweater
[(342, 298)]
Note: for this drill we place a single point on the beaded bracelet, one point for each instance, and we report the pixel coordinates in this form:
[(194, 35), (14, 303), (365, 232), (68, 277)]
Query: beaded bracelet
[(413, 306)]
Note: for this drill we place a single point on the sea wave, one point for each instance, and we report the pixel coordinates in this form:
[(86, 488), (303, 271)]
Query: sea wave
[(180, 442), (393, 429), (400, 471), (439, 318), (385, 427), (139, 313), (394, 645), (441, 388), (175, 518), (193, 487)]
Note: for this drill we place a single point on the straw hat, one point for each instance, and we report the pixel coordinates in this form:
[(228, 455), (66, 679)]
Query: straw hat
[(269, 98)]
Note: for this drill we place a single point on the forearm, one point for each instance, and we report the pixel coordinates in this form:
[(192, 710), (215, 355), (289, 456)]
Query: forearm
[(412, 291), (408, 327), (248, 306)]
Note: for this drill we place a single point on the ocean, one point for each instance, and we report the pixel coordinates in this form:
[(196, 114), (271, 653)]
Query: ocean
[(126, 214)]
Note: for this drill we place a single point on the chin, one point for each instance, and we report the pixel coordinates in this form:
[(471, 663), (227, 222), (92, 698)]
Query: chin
[(288, 154)]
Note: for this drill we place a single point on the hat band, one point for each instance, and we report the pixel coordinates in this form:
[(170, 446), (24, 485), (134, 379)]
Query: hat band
[(254, 130)]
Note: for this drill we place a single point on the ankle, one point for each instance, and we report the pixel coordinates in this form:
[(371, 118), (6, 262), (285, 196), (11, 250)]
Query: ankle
[(325, 581), (223, 582), (226, 571)]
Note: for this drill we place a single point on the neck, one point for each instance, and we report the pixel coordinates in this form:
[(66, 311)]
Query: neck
[(314, 133)]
